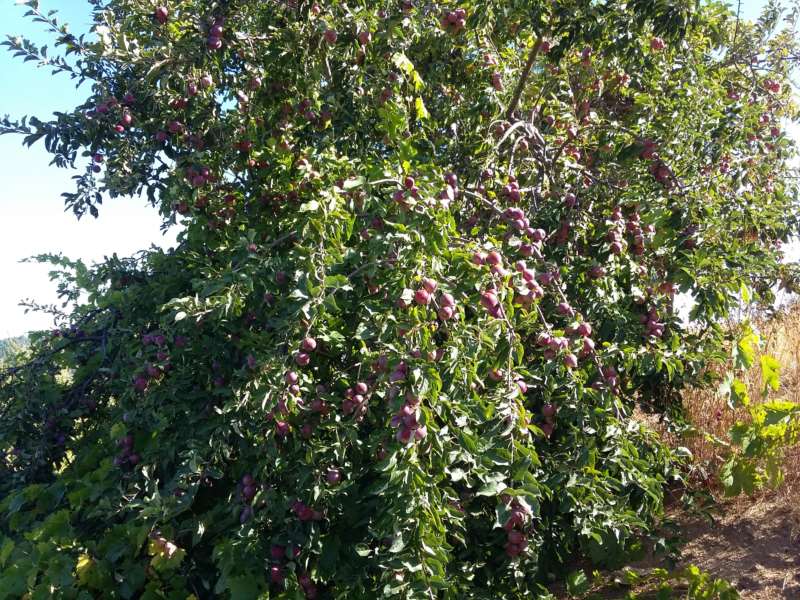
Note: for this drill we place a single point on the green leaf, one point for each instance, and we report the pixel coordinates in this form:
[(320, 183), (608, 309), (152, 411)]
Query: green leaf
[(353, 183), (737, 476), (577, 583), (745, 351), (422, 111), (330, 555), (744, 292), (337, 282), (770, 373), (245, 588), (492, 488), (778, 411), (402, 62), (738, 394), (16, 502), (310, 206), (5, 550), (398, 543), (166, 555)]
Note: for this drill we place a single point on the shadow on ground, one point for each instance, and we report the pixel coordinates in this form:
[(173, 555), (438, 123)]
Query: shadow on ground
[(755, 546), (752, 543)]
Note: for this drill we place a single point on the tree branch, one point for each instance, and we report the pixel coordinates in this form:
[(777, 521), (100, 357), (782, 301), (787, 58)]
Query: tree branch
[(526, 71)]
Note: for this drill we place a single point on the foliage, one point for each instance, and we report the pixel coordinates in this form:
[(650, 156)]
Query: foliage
[(690, 583), (757, 446), (427, 267)]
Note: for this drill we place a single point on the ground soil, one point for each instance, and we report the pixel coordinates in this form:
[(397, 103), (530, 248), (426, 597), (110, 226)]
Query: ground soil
[(754, 544), (751, 542)]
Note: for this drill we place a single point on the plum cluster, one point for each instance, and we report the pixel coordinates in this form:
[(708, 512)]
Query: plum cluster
[(215, 32), (247, 493), (406, 421), (653, 327), (305, 513), (355, 400), (303, 356), (453, 21), (126, 454), (516, 538)]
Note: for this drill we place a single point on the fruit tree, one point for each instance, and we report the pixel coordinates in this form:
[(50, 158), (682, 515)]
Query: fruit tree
[(427, 267)]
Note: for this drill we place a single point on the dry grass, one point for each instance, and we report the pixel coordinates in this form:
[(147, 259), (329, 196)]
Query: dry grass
[(712, 418), (753, 542)]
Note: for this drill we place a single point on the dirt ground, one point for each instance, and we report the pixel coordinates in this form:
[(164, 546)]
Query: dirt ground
[(755, 545), (755, 542), (751, 542)]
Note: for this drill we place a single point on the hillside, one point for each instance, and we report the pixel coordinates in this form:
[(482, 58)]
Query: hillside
[(9, 345)]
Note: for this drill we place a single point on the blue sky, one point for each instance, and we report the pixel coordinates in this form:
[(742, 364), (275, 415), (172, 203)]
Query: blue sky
[(31, 208)]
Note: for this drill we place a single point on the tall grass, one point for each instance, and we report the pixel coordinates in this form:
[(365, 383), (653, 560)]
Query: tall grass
[(712, 418)]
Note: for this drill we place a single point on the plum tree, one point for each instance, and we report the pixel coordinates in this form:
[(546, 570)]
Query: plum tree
[(426, 270)]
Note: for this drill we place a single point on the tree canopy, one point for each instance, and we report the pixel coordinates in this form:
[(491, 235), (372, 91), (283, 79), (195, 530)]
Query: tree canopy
[(428, 268)]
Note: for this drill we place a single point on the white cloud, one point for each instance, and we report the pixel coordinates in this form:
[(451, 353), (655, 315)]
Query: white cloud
[(34, 222), (125, 226)]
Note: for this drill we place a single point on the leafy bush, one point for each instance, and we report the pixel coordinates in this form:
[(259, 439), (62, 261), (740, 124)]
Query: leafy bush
[(758, 444), (427, 267), (690, 583)]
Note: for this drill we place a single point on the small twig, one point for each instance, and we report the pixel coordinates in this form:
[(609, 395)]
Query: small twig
[(279, 240), (485, 201), (738, 19), (382, 181), (542, 317)]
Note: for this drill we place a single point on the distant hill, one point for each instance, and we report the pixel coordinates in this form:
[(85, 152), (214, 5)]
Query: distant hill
[(10, 345)]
